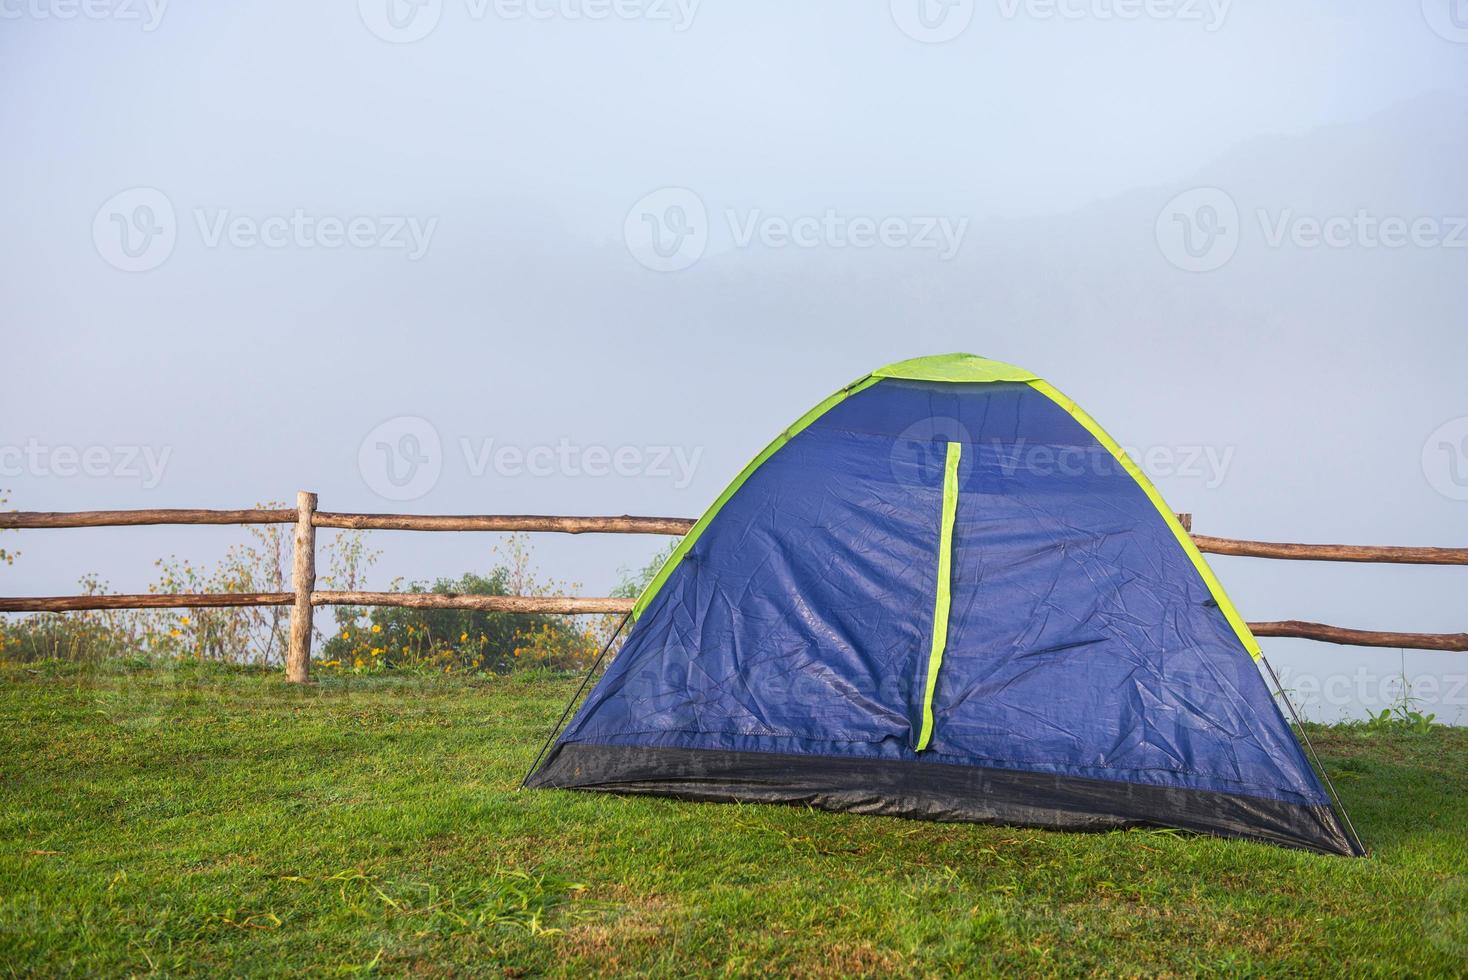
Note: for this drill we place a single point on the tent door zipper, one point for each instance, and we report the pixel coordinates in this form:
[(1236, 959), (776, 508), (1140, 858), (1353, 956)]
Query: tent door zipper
[(942, 592)]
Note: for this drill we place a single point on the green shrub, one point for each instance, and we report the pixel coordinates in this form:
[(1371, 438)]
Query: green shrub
[(459, 639), (76, 637)]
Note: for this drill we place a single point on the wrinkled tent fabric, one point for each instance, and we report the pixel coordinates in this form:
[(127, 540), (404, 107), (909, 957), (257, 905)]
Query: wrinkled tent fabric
[(946, 594)]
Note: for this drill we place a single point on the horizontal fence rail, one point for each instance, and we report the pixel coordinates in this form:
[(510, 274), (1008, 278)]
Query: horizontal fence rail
[(147, 600), (588, 605), (353, 522), (1454, 642), (626, 524), (133, 518), (565, 605), (563, 525), (304, 596), (1331, 552)]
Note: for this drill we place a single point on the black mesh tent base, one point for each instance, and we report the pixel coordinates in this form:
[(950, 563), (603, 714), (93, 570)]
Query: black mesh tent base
[(933, 791)]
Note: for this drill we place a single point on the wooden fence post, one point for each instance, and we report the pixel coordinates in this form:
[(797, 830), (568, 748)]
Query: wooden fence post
[(303, 581)]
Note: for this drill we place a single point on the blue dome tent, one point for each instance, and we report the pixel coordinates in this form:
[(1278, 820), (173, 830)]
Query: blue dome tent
[(946, 593)]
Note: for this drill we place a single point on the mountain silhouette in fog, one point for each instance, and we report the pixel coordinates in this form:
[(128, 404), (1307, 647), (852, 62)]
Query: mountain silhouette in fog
[(1100, 268)]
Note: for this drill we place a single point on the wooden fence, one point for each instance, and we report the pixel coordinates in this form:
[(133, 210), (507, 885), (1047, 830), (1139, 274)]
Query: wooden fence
[(304, 596)]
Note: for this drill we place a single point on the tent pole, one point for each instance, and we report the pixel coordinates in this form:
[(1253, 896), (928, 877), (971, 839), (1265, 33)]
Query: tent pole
[(1300, 726), (584, 681)]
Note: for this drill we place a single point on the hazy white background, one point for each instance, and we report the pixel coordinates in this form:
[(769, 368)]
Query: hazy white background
[(523, 141)]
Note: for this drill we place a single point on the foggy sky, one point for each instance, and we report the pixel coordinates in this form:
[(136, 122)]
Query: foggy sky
[(1289, 391)]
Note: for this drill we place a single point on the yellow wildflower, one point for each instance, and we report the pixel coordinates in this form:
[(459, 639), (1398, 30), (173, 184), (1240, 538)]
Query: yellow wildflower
[(376, 628), (463, 637)]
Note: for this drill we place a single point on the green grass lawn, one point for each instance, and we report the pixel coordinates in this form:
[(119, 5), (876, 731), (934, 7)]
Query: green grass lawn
[(213, 821)]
